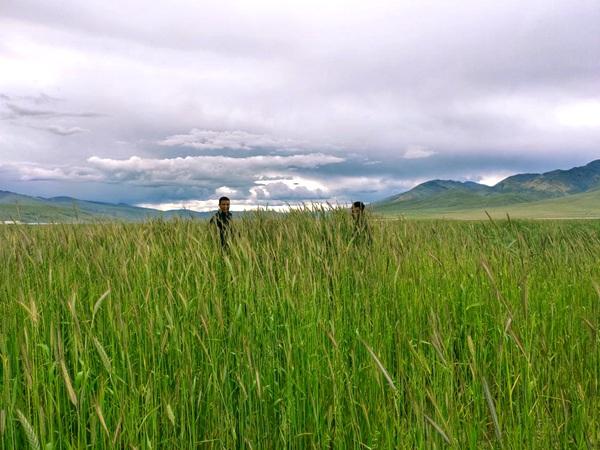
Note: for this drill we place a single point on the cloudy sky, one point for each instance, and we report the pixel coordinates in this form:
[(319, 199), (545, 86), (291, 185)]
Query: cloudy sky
[(174, 103)]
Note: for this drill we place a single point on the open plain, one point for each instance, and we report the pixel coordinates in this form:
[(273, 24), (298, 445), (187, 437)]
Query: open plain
[(301, 335)]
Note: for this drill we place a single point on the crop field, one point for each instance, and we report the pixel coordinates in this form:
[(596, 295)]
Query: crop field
[(428, 334)]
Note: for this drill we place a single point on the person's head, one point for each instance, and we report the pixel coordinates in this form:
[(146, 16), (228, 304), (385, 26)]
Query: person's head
[(224, 204), (357, 209)]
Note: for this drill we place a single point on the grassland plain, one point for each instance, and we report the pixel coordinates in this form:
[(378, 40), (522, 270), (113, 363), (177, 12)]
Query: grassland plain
[(437, 334)]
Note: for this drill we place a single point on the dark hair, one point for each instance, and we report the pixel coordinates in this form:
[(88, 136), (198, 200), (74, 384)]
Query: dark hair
[(223, 199), (360, 205)]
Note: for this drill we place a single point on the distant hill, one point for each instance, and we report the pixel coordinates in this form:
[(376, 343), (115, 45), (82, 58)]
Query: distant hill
[(440, 198), (585, 205), (28, 209), (556, 183)]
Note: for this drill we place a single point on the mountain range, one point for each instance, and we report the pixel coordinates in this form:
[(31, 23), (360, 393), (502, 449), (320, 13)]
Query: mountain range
[(560, 193), (572, 193), (23, 208)]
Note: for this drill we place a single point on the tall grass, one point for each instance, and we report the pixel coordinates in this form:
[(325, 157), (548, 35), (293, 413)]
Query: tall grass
[(434, 335)]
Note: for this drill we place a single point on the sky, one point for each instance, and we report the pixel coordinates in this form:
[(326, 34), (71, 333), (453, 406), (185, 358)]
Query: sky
[(175, 103)]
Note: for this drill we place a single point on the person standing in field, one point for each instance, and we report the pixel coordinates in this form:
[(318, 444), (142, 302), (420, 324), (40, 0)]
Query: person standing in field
[(222, 220), (362, 232)]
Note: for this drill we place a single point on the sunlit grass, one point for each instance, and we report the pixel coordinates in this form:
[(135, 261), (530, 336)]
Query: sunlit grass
[(436, 334)]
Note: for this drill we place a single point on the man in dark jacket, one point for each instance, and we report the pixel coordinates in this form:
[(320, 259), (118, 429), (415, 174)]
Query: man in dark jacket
[(362, 231), (222, 220)]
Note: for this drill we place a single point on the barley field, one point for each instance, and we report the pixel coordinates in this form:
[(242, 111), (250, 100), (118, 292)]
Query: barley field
[(301, 335)]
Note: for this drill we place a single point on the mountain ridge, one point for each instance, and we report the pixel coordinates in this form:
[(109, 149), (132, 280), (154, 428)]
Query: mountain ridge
[(30, 209), (432, 198), (446, 195)]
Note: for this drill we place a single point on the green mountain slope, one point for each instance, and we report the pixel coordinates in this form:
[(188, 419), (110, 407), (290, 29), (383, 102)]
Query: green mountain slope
[(10, 198), (555, 183), (458, 195), (585, 205), (443, 197), (24, 208), (436, 188)]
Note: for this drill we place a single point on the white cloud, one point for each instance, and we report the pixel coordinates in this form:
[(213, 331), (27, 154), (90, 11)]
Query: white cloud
[(194, 205), (492, 179), (36, 172), (240, 205), (194, 169), (349, 186), (581, 114), (289, 188), (417, 152), (190, 170), (225, 191)]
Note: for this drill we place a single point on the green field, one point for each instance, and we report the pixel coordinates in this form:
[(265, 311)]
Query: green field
[(437, 334), (577, 206)]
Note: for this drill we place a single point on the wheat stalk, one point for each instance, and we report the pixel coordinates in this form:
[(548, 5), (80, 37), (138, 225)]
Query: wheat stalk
[(68, 384), (381, 368), (101, 417), (29, 431), (103, 355), (490, 402), (98, 304), (170, 414), (438, 429)]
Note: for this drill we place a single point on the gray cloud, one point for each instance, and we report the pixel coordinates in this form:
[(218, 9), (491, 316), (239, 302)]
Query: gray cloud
[(61, 130), (231, 140), (23, 111), (40, 99), (399, 91)]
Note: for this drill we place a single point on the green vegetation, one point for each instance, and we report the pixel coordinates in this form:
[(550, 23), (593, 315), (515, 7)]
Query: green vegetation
[(438, 334), (459, 206)]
